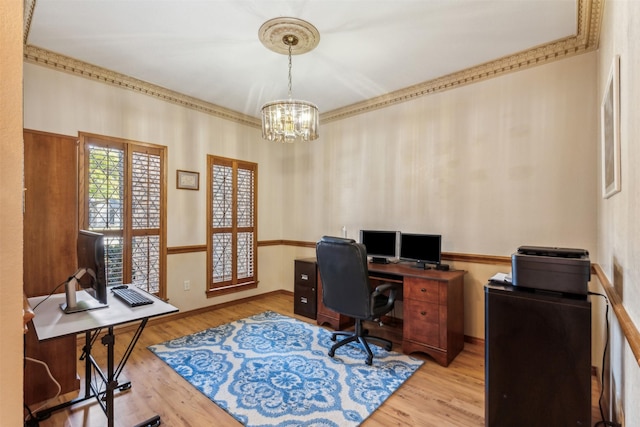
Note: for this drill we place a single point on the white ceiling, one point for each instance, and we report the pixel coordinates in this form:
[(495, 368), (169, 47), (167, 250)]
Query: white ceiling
[(210, 49)]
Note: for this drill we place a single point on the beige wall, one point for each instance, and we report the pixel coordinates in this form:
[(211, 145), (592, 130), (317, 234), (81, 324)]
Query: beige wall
[(506, 162), (491, 166), (11, 213), (62, 103), (618, 216)]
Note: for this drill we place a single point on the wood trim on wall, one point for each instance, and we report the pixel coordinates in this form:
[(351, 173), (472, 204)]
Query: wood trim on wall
[(202, 248), (449, 256), (186, 249), (629, 329), (477, 259)]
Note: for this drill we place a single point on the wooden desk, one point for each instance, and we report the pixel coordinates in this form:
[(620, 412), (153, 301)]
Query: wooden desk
[(433, 309)]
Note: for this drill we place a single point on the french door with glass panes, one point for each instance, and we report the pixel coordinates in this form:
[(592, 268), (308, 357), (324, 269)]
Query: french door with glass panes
[(123, 196)]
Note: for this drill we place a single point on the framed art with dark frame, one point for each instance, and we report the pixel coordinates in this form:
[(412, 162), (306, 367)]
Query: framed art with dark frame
[(610, 128), (186, 180)]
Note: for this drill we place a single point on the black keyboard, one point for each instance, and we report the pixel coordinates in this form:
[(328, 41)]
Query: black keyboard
[(131, 297)]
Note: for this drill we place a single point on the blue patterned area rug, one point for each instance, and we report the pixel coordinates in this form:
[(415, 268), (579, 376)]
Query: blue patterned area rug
[(272, 370)]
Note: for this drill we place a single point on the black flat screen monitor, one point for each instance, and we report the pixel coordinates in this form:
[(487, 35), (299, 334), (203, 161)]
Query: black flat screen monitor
[(90, 276), (382, 246), (422, 248), (91, 258)]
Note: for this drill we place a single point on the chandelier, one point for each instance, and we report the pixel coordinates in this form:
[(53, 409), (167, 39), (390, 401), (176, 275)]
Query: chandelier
[(289, 120)]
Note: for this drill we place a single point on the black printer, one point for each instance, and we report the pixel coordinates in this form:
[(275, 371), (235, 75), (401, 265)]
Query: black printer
[(563, 270)]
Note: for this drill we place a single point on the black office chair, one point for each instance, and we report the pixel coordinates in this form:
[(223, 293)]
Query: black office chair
[(346, 289)]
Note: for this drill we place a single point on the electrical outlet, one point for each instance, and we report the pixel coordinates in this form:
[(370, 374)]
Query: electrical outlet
[(187, 285)]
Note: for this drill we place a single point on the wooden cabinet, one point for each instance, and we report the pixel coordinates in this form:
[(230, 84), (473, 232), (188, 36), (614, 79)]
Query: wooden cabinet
[(433, 309), (49, 252), (538, 358), (305, 288), (422, 311), (434, 316)]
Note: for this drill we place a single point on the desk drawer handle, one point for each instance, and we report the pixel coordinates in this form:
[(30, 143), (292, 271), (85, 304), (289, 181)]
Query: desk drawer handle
[(423, 313), (423, 290)]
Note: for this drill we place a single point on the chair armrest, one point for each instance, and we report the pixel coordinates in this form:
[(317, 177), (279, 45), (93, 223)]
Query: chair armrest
[(380, 289), (383, 287)]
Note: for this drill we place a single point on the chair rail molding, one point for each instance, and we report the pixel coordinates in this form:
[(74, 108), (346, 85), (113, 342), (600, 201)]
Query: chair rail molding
[(629, 329)]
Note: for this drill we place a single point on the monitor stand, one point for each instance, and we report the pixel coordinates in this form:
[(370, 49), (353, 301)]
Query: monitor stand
[(421, 265), (379, 260), (72, 305)]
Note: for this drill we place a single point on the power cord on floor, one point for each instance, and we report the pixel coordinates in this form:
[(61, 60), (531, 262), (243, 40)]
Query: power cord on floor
[(604, 422), (32, 420)]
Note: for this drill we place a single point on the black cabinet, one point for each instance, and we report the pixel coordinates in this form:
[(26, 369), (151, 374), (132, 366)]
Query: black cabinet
[(537, 358), (305, 288)]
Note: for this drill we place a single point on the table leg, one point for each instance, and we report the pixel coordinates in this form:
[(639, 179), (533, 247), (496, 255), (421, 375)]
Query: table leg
[(110, 340)]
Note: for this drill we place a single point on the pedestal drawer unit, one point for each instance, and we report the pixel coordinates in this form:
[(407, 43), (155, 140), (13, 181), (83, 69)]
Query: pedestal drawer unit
[(434, 316)]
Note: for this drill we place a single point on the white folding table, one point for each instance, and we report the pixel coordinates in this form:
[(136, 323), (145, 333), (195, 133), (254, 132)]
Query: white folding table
[(51, 322)]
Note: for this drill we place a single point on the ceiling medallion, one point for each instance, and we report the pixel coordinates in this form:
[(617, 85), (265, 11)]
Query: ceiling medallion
[(271, 34)]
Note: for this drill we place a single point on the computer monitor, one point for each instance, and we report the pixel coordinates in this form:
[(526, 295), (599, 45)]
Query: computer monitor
[(382, 246), (91, 275), (422, 248)]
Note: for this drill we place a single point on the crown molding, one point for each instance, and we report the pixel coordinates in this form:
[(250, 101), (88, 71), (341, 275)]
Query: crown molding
[(586, 40), (589, 13), (59, 62), (29, 6)]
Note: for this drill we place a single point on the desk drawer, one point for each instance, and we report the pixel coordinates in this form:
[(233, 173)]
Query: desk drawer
[(305, 302), (422, 289), (422, 322), (305, 273)]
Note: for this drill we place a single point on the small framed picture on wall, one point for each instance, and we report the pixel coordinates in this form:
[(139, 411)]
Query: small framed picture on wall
[(187, 180), (610, 128)]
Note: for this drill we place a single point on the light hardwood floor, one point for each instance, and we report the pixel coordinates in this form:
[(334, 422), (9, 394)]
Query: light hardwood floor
[(433, 396)]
